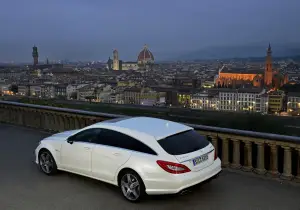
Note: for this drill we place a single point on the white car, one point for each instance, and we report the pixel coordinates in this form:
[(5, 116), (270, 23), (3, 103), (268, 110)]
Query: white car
[(141, 155)]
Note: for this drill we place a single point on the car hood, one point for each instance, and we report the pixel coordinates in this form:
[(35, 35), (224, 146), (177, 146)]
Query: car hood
[(63, 135)]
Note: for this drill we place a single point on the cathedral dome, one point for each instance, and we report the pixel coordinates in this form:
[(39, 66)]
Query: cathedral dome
[(145, 56)]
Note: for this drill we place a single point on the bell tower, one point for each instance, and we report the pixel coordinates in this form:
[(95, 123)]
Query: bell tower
[(35, 55), (268, 68), (116, 62)]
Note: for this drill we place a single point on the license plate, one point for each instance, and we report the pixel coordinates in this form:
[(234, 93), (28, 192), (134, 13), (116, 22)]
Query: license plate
[(200, 159)]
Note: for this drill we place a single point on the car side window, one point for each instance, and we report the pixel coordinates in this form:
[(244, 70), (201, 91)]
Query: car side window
[(88, 135), (120, 140)]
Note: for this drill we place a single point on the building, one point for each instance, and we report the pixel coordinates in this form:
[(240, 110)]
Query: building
[(186, 82), (23, 90), (227, 99), (104, 94), (135, 95), (60, 91), (35, 91), (126, 83), (172, 98), (242, 100), (207, 84), (276, 100), (72, 90), (247, 99), (233, 77), (148, 102), (86, 91), (293, 101), (262, 103), (11, 73), (268, 76), (175, 96), (116, 98), (145, 59), (35, 55), (5, 89), (47, 91), (205, 100)]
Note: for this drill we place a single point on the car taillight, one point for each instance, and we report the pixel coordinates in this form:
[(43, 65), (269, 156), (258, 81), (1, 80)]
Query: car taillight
[(173, 168), (216, 155)]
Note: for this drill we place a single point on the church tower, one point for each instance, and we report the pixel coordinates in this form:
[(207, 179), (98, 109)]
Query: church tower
[(116, 62), (268, 69), (35, 55)]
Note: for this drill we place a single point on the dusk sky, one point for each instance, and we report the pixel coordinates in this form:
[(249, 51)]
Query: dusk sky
[(90, 29)]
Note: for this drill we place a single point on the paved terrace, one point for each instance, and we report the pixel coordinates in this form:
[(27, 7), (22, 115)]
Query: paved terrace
[(24, 187)]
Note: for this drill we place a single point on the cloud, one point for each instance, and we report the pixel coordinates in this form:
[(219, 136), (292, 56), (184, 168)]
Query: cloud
[(89, 29)]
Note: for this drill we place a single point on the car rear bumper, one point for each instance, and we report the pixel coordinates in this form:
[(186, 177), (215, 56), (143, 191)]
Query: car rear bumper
[(173, 184)]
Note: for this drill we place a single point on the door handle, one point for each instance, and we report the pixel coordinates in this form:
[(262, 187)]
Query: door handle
[(87, 148), (116, 154)]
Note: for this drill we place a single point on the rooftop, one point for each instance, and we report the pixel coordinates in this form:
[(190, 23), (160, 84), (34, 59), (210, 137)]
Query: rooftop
[(250, 90), (293, 94), (241, 70), (158, 128)]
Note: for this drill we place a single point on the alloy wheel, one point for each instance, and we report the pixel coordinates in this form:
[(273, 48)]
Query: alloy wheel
[(130, 187), (46, 162)]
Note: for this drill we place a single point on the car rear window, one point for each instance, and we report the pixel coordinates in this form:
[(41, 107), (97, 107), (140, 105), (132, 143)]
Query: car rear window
[(183, 143)]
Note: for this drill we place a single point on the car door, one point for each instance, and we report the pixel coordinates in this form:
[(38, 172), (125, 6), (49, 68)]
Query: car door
[(109, 154), (76, 152)]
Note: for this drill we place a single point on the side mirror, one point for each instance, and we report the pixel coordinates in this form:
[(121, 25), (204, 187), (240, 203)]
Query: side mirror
[(70, 141)]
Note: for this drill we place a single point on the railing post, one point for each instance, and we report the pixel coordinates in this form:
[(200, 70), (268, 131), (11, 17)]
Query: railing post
[(260, 158), (47, 122), (248, 156), (236, 154), (214, 141), (298, 166), (273, 172), (57, 123), (77, 122), (66, 122), (82, 122), (61, 121), (287, 163), (52, 122), (225, 152), (72, 122)]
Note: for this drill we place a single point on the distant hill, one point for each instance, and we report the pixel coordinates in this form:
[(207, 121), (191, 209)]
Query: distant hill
[(246, 51)]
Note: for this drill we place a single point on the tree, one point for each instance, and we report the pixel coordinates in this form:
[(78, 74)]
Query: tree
[(14, 88), (73, 95), (90, 98), (95, 92), (60, 97)]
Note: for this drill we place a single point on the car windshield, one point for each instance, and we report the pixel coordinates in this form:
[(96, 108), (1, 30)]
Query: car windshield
[(183, 143)]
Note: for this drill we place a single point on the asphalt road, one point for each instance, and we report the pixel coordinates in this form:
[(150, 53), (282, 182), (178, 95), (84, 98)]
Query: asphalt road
[(23, 186)]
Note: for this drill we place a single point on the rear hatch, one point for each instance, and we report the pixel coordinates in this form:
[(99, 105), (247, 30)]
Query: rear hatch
[(190, 149)]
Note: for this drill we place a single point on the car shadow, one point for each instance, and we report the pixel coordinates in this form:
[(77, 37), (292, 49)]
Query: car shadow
[(188, 194)]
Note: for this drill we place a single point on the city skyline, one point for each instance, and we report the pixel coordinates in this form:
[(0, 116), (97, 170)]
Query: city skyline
[(259, 50), (89, 30)]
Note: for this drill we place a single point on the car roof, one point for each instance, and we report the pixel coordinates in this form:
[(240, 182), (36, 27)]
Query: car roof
[(158, 128)]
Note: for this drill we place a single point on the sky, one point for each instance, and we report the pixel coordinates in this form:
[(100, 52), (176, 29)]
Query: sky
[(91, 29)]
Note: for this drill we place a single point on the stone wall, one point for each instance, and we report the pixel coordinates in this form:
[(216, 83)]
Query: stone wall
[(271, 155)]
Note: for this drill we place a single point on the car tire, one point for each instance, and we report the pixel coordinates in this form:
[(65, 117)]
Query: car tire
[(47, 163), (131, 186)]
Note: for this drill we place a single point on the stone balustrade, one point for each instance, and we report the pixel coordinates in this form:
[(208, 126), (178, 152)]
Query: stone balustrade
[(271, 155)]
